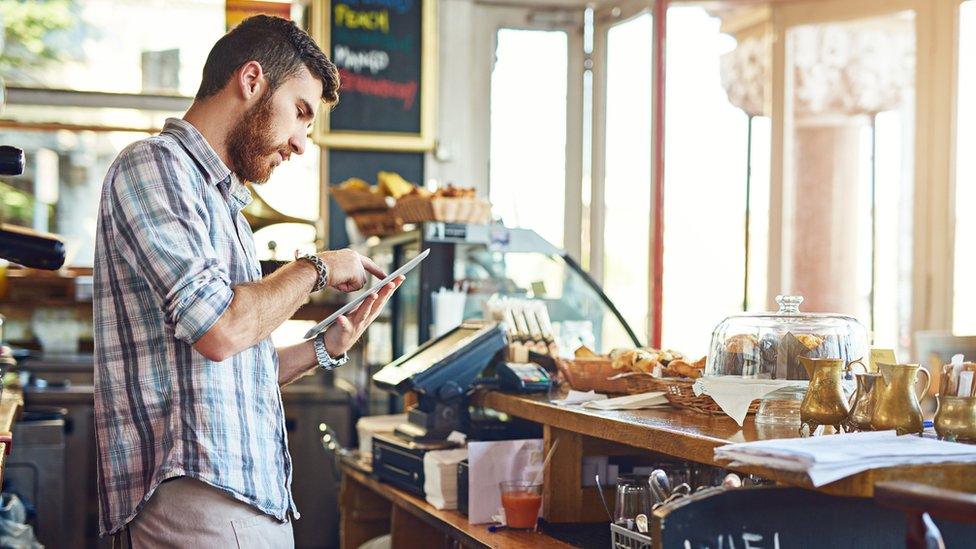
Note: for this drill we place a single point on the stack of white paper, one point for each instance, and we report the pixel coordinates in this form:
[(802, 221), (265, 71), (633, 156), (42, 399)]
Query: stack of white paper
[(440, 477), (833, 457)]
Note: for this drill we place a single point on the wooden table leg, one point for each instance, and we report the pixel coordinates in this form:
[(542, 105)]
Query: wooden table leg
[(363, 514), (561, 487)]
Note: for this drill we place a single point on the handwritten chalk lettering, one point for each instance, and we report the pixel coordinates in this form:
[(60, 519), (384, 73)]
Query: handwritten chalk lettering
[(345, 16), (373, 60), (373, 40), (400, 6), (728, 541), (406, 92)]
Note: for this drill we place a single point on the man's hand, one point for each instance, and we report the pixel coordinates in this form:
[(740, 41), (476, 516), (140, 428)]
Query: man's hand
[(348, 270), (344, 333)]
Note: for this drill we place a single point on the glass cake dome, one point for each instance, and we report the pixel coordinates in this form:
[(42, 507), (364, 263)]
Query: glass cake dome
[(768, 345)]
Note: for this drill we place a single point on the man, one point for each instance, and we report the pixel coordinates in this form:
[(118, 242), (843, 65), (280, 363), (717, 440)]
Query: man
[(192, 450)]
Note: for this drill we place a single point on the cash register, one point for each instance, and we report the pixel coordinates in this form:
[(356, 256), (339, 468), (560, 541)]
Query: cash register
[(442, 373)]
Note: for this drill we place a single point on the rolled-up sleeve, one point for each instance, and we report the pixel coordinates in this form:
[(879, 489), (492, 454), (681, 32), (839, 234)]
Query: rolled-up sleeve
[(158, 215)]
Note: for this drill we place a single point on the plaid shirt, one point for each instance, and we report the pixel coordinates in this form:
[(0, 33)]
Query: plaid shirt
[(171, 244)]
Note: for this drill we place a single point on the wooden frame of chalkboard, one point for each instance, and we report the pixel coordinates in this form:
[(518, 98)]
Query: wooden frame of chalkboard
[(384, 113)]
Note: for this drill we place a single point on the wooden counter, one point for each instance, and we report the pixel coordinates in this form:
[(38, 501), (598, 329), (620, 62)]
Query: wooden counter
[(11, 406), (687, 435), (370, 508)]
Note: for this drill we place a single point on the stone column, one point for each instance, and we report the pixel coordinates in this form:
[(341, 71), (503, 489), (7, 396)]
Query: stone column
[(842, 75)]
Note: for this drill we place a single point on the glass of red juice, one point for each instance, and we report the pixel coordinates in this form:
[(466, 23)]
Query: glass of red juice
[(521, 500)]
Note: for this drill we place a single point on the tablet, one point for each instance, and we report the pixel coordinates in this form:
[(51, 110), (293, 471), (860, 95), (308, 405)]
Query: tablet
[(321, 326)]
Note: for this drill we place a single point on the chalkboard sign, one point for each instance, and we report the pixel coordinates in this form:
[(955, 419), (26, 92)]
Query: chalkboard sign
[(384, 50), (344, 164), (774, 518)]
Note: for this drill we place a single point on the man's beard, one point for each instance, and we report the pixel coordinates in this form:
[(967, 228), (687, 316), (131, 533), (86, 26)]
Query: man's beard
[(250, 143)]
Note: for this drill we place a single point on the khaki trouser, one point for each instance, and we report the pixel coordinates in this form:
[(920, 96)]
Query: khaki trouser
[(185, 512)]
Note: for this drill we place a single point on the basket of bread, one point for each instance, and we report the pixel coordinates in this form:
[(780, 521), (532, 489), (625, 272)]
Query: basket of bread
[(644, 370), (588, 371), (449, 204), (371, 207)]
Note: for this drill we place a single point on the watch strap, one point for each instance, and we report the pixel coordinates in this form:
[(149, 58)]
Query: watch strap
[(325, 360)]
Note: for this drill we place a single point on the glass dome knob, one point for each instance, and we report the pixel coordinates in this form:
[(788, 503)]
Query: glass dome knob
[(789, 304)]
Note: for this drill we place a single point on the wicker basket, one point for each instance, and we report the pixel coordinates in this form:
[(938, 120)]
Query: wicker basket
[(356, 200), (377, 223), (416, 209), (591, 374), (679, 393)]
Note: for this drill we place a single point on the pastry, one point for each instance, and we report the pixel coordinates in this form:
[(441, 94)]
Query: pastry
[(741, 343), (392, 184), (354, 184), (810, 341), (584, 352)]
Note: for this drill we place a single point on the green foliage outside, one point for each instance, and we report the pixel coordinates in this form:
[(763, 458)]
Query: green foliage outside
[(26, 27)]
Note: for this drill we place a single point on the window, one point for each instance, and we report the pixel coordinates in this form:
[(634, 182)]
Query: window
[(964, 302), (75, 45), (527, 168), (705, 199), (60, 187), (627, 183)]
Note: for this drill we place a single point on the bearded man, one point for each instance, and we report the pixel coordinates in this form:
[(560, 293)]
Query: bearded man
[(192, 450)]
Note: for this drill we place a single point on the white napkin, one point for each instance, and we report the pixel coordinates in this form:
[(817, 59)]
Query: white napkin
[(733, 394), (579, 397), (440, 477), (829, 458), (629, 402)]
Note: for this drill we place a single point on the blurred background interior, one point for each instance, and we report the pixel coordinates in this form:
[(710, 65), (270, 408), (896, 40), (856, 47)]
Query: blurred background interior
[(819, 148)]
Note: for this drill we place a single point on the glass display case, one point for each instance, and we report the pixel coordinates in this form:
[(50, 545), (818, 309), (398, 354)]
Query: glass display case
[(768, 345), (486, 261)]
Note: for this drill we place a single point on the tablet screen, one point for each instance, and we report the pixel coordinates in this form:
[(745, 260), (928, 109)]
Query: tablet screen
[(348, 307)]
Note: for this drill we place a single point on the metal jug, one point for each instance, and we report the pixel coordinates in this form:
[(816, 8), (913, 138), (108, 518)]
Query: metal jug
[(825, 402), (895, 402), (956, 418), (863, 407)]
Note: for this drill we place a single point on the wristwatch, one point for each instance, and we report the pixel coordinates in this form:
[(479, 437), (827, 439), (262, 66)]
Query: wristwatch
[(326, 362), (320, 268)]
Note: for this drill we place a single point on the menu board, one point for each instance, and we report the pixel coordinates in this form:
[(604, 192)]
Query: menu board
[(364, 164), (381, 48)]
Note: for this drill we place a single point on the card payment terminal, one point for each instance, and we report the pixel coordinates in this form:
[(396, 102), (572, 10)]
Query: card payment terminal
[(524, 377)]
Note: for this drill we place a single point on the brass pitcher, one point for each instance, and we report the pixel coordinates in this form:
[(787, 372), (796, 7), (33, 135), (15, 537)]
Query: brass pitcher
[(825, 402), (956, 418), (863, 407), (895, 402)]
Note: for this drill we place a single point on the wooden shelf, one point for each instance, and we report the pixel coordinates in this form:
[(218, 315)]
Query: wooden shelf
[(692, 436), (450, 523)]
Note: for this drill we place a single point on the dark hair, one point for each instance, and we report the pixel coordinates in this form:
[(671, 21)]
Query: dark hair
[(279, 46)]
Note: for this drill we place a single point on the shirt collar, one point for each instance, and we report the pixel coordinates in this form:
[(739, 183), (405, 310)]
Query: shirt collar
[(193, 141), (239, 191)]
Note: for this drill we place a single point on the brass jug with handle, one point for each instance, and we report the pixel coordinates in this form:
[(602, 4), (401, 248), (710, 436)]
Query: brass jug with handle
[(896, 403), (863, 406), (825, 402), (956, 418)]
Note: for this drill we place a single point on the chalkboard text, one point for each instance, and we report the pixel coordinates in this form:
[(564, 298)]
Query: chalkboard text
[(373, 60), (347, 17), (406, 92), (728, 541)]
